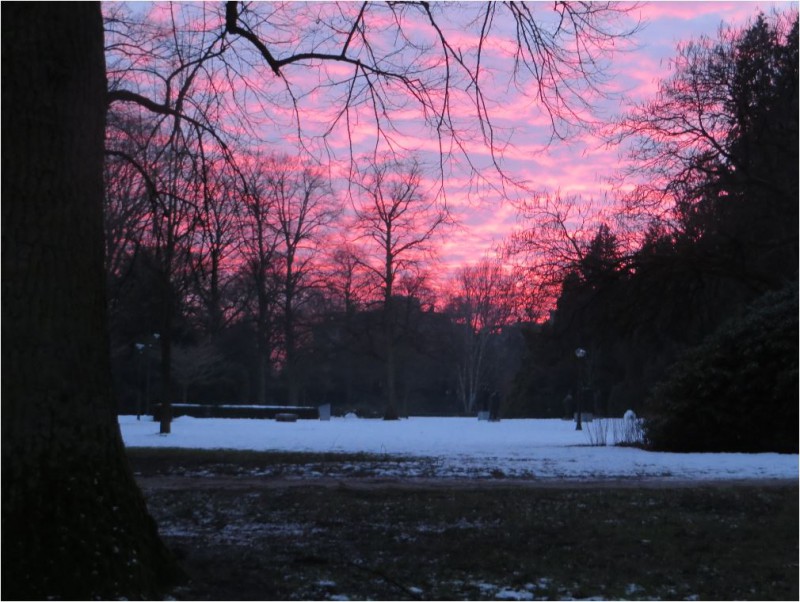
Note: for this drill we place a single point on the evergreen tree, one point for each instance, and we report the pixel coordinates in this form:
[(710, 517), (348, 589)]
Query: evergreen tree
[(719, 142)]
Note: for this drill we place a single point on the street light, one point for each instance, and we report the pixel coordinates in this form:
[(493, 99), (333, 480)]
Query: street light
[(144, 350), (580, 353)]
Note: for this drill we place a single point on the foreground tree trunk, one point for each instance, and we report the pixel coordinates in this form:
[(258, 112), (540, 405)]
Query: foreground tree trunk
[(74, 524)]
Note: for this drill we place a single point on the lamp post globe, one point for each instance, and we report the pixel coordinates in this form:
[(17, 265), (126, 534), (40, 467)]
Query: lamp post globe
[(580, 353)]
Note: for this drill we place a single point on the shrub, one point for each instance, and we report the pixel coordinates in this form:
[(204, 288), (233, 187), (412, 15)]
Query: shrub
[(738, 390), (597, 431), (628, 432), (614, 431)]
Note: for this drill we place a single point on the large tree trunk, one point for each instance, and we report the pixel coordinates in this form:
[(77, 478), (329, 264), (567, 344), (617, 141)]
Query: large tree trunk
[(74, 524)]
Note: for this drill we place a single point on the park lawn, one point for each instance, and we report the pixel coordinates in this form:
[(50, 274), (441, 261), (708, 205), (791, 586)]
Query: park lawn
[(240, 536)]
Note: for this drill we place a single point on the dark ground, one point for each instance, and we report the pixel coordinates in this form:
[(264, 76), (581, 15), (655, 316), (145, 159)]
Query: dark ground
[(254, 526)]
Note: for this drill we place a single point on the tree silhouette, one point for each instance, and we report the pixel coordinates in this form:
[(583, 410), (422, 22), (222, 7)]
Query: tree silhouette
[(74, 523), (396, 222)]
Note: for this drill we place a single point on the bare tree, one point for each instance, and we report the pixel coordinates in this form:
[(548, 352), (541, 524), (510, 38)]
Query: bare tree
[(482, 303), (126, 208), (126, 219), (174, 215), (215, 248), (397, 224), (195, 364), (347, 282), (556, 55), (161, 60), (258, 244), (303, 209), (348, 288), (160, 67), (551, 241)]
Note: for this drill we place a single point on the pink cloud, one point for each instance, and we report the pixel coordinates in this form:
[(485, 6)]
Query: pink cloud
[(580, 165)]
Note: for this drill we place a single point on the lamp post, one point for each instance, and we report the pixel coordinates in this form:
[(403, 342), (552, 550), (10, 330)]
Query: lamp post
[(140, 348), (144, 350), (580, 353)]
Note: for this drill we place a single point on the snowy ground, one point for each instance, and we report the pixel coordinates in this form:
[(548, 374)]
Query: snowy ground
[(463, 447)]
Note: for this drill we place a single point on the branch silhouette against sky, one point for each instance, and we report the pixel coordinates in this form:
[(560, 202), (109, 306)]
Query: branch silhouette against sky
[(497, 101)]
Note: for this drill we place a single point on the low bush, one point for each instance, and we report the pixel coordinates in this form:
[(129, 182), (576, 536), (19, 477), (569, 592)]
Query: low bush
[(621, 432), (738, 390), (597, 431)]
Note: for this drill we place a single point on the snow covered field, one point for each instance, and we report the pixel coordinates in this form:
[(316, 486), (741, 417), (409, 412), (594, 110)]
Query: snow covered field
[(463, 447)]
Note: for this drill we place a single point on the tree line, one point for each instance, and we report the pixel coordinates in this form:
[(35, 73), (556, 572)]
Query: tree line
[(240, 274), (715, 216), (244, 279)]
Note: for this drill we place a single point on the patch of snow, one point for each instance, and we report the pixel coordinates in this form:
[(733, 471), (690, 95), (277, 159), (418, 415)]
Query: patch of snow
[(486, 587), (503, 593), (511, 594), (461, 448), (632, 589)]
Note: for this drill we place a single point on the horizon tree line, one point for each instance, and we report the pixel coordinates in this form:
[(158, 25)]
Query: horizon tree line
[(262, 253)]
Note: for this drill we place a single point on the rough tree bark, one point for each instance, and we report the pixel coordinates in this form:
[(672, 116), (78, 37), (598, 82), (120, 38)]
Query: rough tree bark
[(74, 524)]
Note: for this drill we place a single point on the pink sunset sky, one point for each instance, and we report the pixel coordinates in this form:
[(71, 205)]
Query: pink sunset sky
[(578, 165), (582, 164)]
